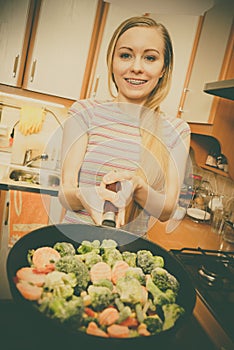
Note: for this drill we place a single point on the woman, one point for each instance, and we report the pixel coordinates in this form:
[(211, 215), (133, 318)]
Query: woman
[(127, 140)]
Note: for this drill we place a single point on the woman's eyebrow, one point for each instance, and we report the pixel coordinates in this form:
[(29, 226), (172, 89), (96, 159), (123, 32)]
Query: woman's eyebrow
[(146, 50)]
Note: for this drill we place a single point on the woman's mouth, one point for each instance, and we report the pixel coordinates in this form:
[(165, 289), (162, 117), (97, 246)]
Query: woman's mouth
[(135, 81)]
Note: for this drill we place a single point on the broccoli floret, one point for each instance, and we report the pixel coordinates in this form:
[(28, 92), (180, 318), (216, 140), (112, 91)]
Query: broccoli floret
[(91, 258), (136, 272), (164, 280), (159, 297), (130, 290), (104, 283), (70, 263), (130, 258), (88, 246), (108, 244), (171, 313), (65, 248), (147, 261), (101, 297), (60, 283), (154, 324), (69, 311), (111, 256), (124, 314), (158, 261)]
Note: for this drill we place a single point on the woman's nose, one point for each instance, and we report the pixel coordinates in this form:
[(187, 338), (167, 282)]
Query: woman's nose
[(137, 65)]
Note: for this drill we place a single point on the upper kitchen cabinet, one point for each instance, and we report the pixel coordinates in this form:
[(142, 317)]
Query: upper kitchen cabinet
[(207, 64), (57, 61), (58, 41), (182, 28), (13, 30)]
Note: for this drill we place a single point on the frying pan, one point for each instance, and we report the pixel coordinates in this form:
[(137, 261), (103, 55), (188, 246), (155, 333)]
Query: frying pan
[(55, 333)]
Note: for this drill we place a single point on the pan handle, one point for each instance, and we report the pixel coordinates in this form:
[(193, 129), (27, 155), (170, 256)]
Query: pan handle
[(110, 210)]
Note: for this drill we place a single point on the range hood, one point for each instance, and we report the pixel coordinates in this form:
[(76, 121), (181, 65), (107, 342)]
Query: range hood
[(222, 88)]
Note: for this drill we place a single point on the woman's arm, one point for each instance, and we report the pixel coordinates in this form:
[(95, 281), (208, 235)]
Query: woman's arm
[(74, 146)]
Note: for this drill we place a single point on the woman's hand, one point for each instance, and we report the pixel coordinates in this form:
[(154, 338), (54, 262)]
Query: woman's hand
[(92, 201)]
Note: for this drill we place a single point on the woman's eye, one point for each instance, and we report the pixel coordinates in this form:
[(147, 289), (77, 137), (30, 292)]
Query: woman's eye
[(150, 58), (125, 56)]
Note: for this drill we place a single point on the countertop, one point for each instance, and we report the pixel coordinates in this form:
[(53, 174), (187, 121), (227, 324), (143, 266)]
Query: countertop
[(189, 234), (8, 184)]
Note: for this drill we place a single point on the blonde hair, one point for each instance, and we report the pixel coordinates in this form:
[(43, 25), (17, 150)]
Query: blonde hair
[(149, 126)]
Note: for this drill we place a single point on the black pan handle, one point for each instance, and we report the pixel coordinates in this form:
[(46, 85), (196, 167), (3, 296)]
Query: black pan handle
[(110, 210)]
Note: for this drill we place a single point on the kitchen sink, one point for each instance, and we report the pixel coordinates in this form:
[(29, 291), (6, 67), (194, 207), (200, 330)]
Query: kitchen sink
[(36, 177)]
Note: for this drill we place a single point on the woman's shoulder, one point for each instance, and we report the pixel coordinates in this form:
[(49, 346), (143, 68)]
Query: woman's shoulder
[(177, 124)]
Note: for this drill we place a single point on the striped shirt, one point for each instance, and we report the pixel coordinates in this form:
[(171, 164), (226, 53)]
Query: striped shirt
[(114, 141)]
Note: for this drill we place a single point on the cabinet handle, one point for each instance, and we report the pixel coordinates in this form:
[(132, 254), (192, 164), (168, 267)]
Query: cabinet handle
[(15, 66), (6, 214), (33, 70), (96, 86)]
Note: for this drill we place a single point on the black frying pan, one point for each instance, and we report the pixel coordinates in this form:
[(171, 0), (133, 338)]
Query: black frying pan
[(55, 334)]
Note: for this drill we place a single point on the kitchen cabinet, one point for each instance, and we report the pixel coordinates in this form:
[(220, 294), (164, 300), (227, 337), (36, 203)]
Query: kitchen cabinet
[(182, 29), (57, 49), (220, 132), (207, 64), (13, 25)]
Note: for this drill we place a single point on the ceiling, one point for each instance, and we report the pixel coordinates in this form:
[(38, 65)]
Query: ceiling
[(177, 7)]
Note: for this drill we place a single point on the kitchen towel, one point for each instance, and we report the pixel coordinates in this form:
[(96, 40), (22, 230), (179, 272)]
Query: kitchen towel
[(27, 212), (31, 119)]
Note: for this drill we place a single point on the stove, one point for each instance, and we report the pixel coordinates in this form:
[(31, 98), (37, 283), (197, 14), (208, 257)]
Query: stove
[(212, 274)]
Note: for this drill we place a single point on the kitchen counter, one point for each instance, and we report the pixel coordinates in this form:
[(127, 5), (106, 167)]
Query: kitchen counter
[(188, 234), (7, 184)]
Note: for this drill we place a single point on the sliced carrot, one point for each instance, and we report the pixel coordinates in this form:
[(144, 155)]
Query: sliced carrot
[(100, 270), (28, 274), (90, 312), (118, 331), (130, 322), (45, 256), (93, 329), (29, 291), (119, 269), (108, 316), (45, 270)]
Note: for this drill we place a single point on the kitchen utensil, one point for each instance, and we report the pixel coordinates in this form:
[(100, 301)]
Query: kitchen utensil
[(110, 210), (76, 233)]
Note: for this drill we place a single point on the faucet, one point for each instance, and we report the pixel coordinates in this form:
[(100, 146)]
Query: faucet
[(28, 160)]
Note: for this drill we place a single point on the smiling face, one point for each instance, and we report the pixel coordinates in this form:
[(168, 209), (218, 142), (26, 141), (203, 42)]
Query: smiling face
[(138, 63)]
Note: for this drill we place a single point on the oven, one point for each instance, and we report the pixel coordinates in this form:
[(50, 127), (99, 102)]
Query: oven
[(212, 273)]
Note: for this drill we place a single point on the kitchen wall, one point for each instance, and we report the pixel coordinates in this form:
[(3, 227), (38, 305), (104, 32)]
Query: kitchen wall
[(48, 140)]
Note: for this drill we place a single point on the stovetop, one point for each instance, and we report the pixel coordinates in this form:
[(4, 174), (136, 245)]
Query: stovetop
[(212, 274)]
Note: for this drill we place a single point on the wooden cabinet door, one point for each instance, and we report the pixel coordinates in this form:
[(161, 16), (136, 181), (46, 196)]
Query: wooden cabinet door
[(61, 47), (208, 62), (13, 22)]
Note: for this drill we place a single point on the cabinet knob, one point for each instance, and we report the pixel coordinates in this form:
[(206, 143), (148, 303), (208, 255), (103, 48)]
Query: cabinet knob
[(181, 110), (15, 67)]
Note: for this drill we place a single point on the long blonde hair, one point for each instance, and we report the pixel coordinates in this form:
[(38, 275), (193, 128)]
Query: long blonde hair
[(149, 127)]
